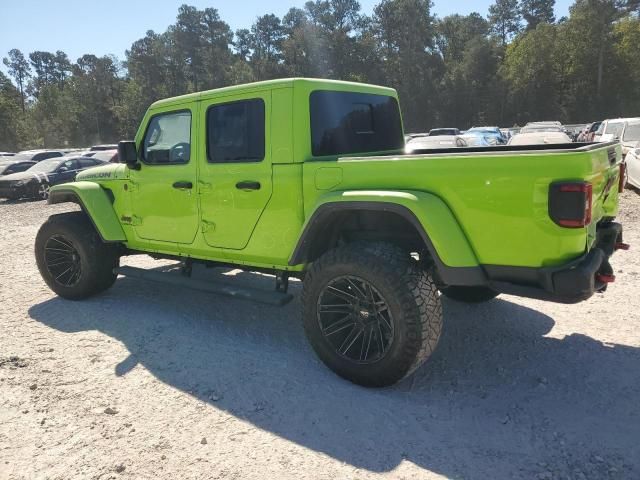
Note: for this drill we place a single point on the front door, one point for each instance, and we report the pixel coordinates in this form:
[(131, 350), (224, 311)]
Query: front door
[(163, 197), (235, 173)]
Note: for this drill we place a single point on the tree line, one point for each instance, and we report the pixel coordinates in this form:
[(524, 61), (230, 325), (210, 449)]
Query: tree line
[(516, 64)]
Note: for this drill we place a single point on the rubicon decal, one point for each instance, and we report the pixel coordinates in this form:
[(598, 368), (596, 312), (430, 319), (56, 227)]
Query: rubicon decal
[(97, 175)]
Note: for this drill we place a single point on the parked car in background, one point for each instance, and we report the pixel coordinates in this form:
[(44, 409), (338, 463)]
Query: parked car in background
[(6, 154), (574, 131), (435, 132), (633, 167), (586, 136), (37, 180), (541, 129), (7, 167), (409, 136), (433, 143), (110, 156), (37, 155), (555, 123), (492, 134), (540, 138), (630, 136), (477, 140), (99, 148), (610, 130)]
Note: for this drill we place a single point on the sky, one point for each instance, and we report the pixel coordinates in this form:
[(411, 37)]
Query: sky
[(106, 27)]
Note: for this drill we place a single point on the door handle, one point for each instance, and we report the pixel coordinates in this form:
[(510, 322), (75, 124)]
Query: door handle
[(248, 185), (183, 185)]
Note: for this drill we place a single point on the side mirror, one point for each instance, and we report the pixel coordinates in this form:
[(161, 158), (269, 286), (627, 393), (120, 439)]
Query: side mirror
[(127, 152)]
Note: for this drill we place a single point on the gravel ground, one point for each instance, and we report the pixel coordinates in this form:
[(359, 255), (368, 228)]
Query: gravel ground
[(149, 381)]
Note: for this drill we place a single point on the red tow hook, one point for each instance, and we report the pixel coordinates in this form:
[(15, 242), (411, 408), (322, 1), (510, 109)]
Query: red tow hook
[(622, 246), (602, 278)]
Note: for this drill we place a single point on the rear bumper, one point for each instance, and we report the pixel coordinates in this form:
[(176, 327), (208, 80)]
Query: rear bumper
[(570, 283)]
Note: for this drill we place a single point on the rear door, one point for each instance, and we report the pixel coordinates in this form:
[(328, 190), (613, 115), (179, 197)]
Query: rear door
[(235, 172), (163, 199)]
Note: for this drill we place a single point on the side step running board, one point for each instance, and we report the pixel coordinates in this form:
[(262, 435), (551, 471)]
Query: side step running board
[(245, 293)]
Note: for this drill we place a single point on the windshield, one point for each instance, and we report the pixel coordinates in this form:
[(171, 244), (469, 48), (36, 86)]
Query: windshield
[(632, 133), (46, 166), (614, 128)]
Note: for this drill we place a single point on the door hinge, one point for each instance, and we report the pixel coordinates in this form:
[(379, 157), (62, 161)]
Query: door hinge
[(208, 226), (203, 187), (133, 220)]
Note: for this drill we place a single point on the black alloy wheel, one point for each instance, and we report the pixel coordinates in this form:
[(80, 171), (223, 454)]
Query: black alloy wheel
[(62, 261), (355, 319)]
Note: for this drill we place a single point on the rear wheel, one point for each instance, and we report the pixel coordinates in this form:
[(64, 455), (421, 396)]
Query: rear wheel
[(469, 294), (72, 258), (371, 313)]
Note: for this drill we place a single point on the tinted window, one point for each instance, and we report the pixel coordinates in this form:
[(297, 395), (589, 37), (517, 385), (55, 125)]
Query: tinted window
[(235, 132), (87, 162), (45, 155), (345, 122), (168, 139)]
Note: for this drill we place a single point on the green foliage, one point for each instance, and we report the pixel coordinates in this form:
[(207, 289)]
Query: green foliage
[(514, 66), (504, 18), (535, 12)]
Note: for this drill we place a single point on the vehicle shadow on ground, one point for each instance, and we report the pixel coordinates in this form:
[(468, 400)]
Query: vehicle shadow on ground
[(497, 400), (14, 201)]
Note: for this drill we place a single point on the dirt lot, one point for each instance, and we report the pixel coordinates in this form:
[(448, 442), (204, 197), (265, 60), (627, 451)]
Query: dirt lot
[(149, 381)]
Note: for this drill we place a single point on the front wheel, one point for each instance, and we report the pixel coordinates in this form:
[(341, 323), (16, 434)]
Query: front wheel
[(371, 313), (72, 258)]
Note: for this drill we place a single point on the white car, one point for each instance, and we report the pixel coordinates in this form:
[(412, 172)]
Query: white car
[(612, 130), (539, 138), (633, 167), (434, 143), (630, 136)]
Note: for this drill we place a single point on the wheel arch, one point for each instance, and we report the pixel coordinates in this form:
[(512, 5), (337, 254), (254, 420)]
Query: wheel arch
[(96, 203), (398, 216)]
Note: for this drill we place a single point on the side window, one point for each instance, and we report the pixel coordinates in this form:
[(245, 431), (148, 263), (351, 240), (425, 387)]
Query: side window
[(69, 165), (168, 139), (235, 132), (12, 169), (86, 162), (348, 122)]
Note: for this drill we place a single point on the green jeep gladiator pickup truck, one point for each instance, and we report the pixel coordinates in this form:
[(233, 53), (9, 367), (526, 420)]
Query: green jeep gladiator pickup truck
[(308, 178)]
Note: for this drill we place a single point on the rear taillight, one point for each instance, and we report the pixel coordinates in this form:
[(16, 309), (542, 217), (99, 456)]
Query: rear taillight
[(570, 203), (623, 173)]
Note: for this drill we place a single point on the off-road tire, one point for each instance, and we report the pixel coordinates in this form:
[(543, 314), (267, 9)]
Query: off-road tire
[(412, 299), (469, 294), (96, 258)]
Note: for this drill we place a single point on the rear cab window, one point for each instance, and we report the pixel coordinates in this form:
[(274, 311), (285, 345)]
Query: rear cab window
[(346, 123)]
